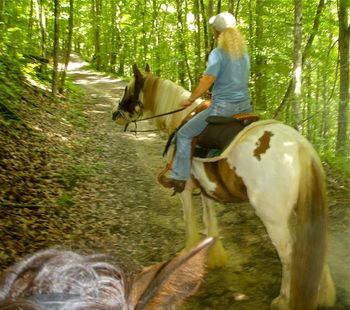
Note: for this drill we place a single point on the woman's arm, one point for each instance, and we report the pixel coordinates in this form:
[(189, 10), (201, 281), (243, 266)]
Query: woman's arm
[(204, 84)]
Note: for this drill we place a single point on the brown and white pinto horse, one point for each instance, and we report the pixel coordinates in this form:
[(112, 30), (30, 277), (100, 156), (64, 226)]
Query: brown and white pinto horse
[(268, 164)]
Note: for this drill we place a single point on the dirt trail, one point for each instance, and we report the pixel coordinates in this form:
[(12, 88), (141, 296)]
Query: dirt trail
[(125, 212)]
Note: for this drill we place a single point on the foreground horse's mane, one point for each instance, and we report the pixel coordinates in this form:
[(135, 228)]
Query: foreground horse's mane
[(77, 281), (60, 279)]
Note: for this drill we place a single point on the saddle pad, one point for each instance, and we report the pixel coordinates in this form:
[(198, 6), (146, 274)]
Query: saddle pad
[(247, 117)]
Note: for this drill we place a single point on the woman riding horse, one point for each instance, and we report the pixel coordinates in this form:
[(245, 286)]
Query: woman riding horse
[(228, 70)]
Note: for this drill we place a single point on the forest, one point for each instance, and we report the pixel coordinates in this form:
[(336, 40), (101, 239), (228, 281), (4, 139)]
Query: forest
[(69, 176), (299, 52)]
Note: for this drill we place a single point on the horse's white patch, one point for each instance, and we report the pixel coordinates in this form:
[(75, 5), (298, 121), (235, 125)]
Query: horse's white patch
[(272, 180), (199, 172), (288, 159)]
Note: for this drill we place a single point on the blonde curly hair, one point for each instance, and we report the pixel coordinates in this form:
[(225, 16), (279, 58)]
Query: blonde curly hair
[(232, 42)]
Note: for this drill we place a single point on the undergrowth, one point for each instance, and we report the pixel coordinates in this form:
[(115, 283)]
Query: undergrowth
[(37, 162)]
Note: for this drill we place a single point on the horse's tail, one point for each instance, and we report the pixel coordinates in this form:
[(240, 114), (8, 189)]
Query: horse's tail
[(311, 226)]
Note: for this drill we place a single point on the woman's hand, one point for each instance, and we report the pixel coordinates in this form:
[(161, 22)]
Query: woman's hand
[(205, 83), (187, 102)]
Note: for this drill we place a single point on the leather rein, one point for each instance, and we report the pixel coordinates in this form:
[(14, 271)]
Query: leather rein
[(148, 118)]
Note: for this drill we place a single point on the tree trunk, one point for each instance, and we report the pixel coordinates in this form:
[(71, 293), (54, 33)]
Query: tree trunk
[(156, 37), (297, 64), (230, 6), (305, 54), (218, 7), (113, 37), (183, 53), (259, 77), (56, 47), (210, 13), (205, 31), (117, 47), (2, 16), (314, 30), (41, 17), (343, 108), (309, 106), (144, 31), (69, 44), (30, 20), (198, 44), (96, 19)]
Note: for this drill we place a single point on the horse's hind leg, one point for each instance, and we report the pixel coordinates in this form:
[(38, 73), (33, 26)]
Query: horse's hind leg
[(217, 256), (280, 236)]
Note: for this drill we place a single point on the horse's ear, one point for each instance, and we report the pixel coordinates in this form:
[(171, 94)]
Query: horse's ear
[(147, 69), (137, 72), (165, 285)]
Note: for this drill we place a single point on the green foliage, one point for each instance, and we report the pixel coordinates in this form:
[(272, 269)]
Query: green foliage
[(10, 80), (74, 174), (169, 36), (77, 118), (75, 114), (65, 200), (339, 163), (16, 73)]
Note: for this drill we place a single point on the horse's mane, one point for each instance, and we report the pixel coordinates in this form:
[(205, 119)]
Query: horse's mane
[(162, 96), (65, 279)]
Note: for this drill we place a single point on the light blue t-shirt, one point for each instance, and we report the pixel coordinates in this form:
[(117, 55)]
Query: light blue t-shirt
[(231, 77)]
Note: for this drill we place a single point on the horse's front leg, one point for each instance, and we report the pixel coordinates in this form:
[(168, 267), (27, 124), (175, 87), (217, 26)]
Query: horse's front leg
[(217, 256), (190, 218)]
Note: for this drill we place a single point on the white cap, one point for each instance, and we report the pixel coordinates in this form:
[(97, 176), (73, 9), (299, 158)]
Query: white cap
[(222, 21)]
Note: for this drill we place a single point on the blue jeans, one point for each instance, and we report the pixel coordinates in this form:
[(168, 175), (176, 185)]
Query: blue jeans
[(182, 162)]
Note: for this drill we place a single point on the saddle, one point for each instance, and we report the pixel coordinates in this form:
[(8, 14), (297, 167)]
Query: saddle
[(215, 137), (220, 132)]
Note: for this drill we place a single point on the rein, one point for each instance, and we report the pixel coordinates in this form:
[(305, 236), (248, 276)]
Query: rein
[(151, 117)]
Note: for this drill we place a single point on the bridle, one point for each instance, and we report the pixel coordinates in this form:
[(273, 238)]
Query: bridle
[(137, 102)]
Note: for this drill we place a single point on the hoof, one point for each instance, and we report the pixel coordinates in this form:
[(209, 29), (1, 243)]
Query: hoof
[(326, 292), (217, 256), (280, 303)]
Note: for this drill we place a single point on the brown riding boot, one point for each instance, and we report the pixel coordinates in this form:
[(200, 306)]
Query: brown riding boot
[(177, 185)]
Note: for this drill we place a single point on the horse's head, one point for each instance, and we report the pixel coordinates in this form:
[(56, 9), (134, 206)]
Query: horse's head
[(130, 106)]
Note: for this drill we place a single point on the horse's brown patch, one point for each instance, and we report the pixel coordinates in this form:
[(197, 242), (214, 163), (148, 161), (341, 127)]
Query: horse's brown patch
[(149, 91), (229, 186), (263, 144)]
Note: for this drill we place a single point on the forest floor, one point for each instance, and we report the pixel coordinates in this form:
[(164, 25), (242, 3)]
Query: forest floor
[(70, 176)]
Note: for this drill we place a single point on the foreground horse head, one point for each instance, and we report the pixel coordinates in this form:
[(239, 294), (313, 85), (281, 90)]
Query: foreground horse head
[(275, 169), (57, 279)]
